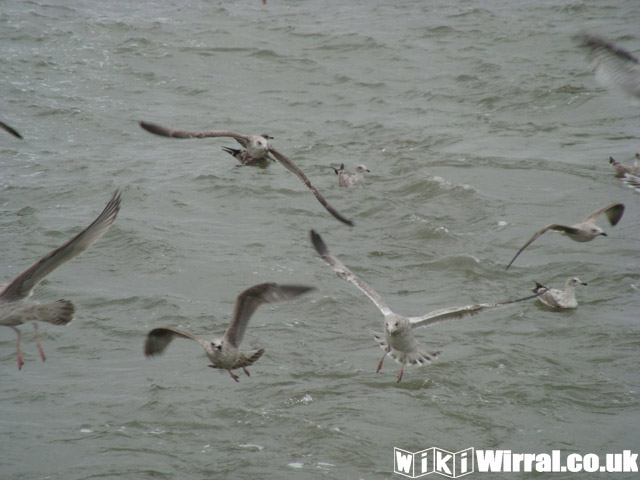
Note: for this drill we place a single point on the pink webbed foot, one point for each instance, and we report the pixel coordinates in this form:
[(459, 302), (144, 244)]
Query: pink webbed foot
[(18, 352), (234, 376), (42, 355)]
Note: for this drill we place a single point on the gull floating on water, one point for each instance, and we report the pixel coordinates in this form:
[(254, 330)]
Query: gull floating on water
[(559, 299), (346, 179), (9, 129), (16, 309), (256, 147), (613, 65), (621, 169), (399, 341), (585, 231), (223, 352)]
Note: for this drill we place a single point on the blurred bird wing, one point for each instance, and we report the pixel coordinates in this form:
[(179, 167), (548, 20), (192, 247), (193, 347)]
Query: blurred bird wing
[(159, 338), (249, 300), (175, 133), (23, 284), (613, 212)]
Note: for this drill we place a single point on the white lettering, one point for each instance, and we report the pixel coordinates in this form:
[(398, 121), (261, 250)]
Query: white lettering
[(629, 461), (489, 460), (574, 462), (403, 462), (441, 463), (543, 463)]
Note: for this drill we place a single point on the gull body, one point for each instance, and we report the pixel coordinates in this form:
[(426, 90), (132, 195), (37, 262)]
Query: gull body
[(245, 159), (346, 179), (585, 231), (224, 352), (15, 306), (256, 147), (622, 169), (613, 64), (559, 299), (398, 340)]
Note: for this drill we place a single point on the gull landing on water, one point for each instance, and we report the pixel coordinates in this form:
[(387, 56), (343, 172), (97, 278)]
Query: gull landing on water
[(345, 179), (559, 299), (256, 147), (16, 309), (399, 341), (585, 231), (223, 352)]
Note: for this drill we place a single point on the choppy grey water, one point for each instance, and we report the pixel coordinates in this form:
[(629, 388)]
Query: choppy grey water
[(480, 121)]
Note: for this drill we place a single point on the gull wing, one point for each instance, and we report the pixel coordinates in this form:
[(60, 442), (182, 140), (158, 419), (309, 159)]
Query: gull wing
[(289, 165), (249, 300), (453, 313), (613, 211), (346, 274), (553, 226), (22, 286), (9, 129), (159, 338), (614, 64), (174, 133)]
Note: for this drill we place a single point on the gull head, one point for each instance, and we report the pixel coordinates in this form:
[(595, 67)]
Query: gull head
[(575, 281), (362, 168), (394, 325)]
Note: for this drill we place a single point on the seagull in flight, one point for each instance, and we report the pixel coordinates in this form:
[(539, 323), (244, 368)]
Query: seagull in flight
[(559, 299), (398, 339), (346, 179), (223, 352), (614, 65), (585, 231), (256, 147), (15, 306)]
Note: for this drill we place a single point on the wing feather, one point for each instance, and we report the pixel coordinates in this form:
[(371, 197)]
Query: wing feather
[(175, 133), (159, 338), (289, 165), (343, 272), (22, 286)]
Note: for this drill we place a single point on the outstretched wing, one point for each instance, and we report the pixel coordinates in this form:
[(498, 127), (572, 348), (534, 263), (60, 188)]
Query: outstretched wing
[(249, 300), (289, 165), (10, 130), (344, 273), (613, 212), (453, 313), (159, 338), (613, 64), (23, 284), (553, 226), (173, 133)]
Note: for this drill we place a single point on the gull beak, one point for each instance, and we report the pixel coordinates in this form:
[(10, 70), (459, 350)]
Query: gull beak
[(604, 234)]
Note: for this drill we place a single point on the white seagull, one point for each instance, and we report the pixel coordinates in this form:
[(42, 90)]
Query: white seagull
[(613, 65), (223, 352), (15, 306), (398, 340), (559, 299), (256, 147), (346, 179), (585, 231)]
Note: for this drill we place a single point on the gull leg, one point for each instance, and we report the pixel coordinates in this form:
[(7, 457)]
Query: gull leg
[(35, 326), (400, 373), (386, 352), (234, 376), (246, 372), (18, 353)]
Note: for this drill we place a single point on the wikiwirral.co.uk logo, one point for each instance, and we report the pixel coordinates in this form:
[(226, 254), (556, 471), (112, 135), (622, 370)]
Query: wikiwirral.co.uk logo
[(433, 460), (454, 465)]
